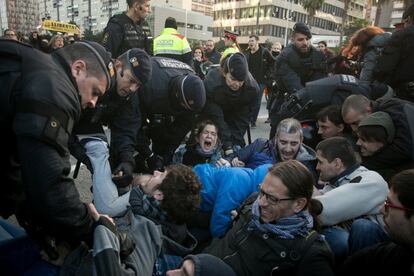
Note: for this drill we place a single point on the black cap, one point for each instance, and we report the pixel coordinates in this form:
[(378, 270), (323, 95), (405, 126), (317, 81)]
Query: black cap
[(140, 64), (193, 93), (104, 59), (207, 265), (303, 29), (237, 65), (408, 11)]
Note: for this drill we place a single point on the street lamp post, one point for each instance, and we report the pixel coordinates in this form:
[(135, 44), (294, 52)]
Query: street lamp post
[(288, 18), (257, 17)]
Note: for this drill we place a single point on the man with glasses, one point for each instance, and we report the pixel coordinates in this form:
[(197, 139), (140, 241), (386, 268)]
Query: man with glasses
[(351, 199), (274, 227), (395, 257), (10, 34)]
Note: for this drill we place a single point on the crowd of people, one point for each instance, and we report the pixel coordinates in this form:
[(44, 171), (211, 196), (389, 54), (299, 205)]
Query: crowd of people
[(176, 189)]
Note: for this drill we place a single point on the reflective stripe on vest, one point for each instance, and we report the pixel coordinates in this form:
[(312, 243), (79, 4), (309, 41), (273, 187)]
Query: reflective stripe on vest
[(171, 42)]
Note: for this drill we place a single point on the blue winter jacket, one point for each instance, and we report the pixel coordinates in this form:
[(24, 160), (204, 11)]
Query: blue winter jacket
[(225, 189)]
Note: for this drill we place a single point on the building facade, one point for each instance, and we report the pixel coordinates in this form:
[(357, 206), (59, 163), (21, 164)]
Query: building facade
[(273, 19), (94, 15), (19, 15), (390, 14)]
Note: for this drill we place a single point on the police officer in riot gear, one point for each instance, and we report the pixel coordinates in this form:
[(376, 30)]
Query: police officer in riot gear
[(41, 99), (129, 30), (232, 94), (299, 62), (119, 109), (333, 90), (169, 104), (394, 65)]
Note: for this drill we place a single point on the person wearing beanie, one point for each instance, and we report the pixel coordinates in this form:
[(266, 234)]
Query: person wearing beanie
[(168, 105), (129, 29), (393, 66), (230, 43), (299, 62), (396, 154), (118, 109), (54, 89), (202, 265), (374, 133), (170, 43), (232, 94)]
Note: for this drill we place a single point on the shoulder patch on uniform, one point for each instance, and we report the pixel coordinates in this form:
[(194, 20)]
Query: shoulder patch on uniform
[(179, 36), (356, 179), (172, 63), (348, 79)]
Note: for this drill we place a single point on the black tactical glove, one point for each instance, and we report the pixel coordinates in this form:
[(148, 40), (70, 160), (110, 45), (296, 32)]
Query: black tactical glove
[(126, 244), (155, 163), (125, 167), (79, 152)]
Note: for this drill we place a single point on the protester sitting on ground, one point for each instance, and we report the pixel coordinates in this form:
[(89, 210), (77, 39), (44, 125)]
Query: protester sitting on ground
[(395, 257), (330, 122), (375, 133), (400, 151), (351, 199), (223, 190), (286, 145), (203, 146), (273, 231), (202, 265)]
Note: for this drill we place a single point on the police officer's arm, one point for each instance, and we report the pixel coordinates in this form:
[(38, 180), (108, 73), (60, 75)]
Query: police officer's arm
[(51, 194), (390, 57), (124, 130), (112, 38), (369, 62), (179, 128), (285, 74), (241, 118)]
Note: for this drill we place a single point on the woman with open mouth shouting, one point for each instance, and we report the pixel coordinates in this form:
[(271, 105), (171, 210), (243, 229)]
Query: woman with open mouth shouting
[(202, 147)]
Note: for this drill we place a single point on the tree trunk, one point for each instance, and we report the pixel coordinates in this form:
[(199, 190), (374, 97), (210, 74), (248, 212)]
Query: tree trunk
[(344, 17), (378, 15)]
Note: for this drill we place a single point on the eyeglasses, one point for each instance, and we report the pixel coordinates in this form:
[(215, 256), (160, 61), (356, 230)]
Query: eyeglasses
[(272, 200), (388, 204)]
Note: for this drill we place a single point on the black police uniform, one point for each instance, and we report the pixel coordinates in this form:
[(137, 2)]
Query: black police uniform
[(39, 105), (123, 117), (162, 121), (231, 110), (122, 34), (294, 69), (394, 65)]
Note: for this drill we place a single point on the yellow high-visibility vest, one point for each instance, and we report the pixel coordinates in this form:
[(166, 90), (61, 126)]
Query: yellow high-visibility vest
[(229, 50), (171, 42)]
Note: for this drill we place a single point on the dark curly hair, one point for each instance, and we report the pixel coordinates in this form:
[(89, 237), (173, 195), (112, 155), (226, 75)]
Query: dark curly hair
[(181, 188)]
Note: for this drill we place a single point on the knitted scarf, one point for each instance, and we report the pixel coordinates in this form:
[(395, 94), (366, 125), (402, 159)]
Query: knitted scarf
[(285, 228), (145, 205)]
